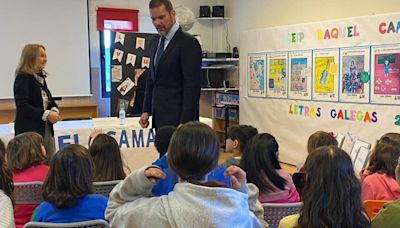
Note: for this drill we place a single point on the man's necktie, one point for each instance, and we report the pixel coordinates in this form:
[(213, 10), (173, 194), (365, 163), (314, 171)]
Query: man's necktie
[(160, 51)]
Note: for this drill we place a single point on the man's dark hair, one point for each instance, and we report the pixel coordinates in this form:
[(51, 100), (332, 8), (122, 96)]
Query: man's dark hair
[(158, 3)]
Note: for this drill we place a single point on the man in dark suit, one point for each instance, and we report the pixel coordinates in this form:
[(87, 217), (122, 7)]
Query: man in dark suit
[(173, 86)]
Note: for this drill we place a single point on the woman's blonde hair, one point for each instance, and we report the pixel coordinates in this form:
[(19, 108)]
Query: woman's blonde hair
[(28, 58)]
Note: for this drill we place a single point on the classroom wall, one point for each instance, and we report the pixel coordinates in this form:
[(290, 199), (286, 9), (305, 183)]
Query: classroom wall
[(268, 13), (203, 28), (264, 14), (145, 25)]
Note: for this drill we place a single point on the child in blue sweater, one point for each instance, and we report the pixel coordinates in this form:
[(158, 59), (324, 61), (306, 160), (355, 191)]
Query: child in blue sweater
[(165, 186), (67, 190)]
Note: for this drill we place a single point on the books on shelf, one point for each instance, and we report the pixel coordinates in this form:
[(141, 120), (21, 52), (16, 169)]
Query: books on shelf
[(226, 99)]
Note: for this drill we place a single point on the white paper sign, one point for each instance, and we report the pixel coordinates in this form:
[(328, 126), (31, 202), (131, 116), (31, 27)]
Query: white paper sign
[(116, 73), (145, 62), (119, 37), (140, 43), (131, 59), (126, 86), (118, 54)]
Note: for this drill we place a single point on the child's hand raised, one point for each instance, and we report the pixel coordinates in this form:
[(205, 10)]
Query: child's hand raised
[(237, 177), (154, 174)]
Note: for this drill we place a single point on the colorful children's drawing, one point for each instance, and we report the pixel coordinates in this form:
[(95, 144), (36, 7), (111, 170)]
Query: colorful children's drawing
[(324, 77), (352, 69), (387, 74), (277, 74), (298, 81), (256, 75)]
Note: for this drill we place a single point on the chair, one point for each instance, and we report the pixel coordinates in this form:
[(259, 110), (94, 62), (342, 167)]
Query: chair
[(98, 223), (28, 192), (104, 187), (372, 207), (274, 212), (298, 181)]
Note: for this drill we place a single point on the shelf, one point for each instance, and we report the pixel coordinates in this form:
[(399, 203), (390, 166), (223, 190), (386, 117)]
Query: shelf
[(220, 59), (220, 89), (217, 67), (222, 119), (213, 18)]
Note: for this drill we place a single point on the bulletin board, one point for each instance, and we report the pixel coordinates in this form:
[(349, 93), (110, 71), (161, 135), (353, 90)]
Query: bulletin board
[(129, 69), (341, 76)]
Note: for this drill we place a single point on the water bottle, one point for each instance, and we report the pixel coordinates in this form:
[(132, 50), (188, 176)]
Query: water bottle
[(122, 115)]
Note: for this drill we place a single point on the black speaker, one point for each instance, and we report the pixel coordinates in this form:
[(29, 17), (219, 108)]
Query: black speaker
[(205, 11), (218, 11)]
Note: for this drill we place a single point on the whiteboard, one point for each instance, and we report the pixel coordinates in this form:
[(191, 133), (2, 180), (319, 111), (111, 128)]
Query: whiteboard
[(62, 27)]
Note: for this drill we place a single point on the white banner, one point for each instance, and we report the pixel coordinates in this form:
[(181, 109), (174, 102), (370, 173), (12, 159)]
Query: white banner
[(136, 143), (355, 84)]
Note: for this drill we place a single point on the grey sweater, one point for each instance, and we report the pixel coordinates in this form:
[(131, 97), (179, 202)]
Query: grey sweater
[(188, 205)]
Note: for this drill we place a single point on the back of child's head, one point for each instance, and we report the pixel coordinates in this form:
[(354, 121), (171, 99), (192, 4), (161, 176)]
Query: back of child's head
[(70, 176), (385, 156), (393, 137), (162, 139), (320, 138), (25, 150), (5, 173), (2, 148), (106, 158), (261, 158), (241, 133), (331, 193), (193, 151)]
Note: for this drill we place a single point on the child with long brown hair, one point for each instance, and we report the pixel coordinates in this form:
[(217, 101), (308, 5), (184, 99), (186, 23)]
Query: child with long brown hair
[(67, 191), (380, 183), (107, 159), (25, 156)]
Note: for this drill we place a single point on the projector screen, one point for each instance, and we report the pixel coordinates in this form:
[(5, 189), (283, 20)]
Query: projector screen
[(62, 27)]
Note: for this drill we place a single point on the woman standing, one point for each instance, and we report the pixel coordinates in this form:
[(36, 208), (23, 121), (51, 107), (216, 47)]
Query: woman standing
[(36, 109)]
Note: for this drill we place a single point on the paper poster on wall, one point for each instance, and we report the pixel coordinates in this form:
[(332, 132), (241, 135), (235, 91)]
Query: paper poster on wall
[(126, 86), (354, 74), (300, 75), (145, 62), (325, 75), (256, 75), (131, 59), (140, 43), (119, 37), (277, 75), (116, 73), (118, 54), (385, 74)]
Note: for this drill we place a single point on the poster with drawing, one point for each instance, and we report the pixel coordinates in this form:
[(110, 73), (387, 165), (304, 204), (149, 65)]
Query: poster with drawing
[(385, 74), (277, 74), (256, 75), (354, 74), (300, 75), (325, 75)]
